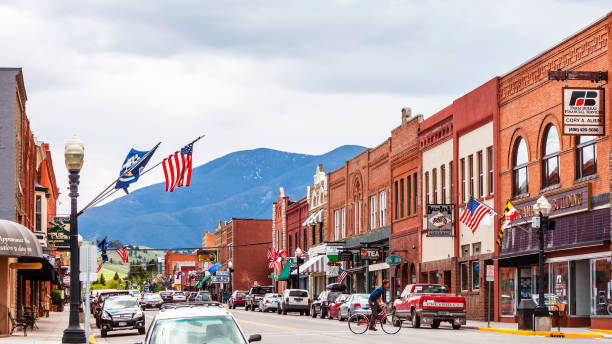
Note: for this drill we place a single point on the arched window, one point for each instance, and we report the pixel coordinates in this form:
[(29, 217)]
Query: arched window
[(586, 156), (520, 158), (550, 157)]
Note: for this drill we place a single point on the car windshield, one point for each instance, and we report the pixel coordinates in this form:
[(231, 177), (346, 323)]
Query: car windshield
[(103, 297), (179, 293), (260, 290), (430, 289), (211, 330), (241, 294), (152, 297), (298, 293), (120, 304)]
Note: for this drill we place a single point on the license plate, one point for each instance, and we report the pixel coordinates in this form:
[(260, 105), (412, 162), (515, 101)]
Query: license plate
[(444, 313), (298, 299), (122, 323)]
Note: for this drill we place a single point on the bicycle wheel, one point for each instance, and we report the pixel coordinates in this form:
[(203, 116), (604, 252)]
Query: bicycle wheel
[(358, 323), (391, 324)]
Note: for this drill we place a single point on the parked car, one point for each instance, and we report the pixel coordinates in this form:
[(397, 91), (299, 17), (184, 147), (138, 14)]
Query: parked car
[(237, 299), (93, 299), (202, 297), (354, 304), (121, 313), (320, 306), (255, 294), (190, 295), (295, 300), (136, 293), (194, 323), (430, 304), (269, 302), (152, 301), (178, 296), (166, 296), (334, 308), (100, 302)]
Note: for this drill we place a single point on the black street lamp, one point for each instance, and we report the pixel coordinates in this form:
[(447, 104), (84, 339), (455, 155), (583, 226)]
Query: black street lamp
[(542, 209), (230, 267), (74, 152), (298, 255)]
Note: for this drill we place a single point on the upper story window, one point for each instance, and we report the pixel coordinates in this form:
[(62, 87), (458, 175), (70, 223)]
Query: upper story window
[(372, 211), (426, 187), (480, 174), (409, 195), (396, 200), (471, 172), (336, 225), (586, 156), (519, 168), (550, 157), (452, 181), (402, 207), (343, 223), (462, 167), (443, 183), (490, 170), (38, 215), (434, 182), (383, 208), (414, 192)]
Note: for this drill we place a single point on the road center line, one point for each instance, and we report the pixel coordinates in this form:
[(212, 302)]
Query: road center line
[(293, 329)]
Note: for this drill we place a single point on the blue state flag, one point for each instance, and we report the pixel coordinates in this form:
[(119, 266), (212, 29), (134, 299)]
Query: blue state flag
[(136, 161)]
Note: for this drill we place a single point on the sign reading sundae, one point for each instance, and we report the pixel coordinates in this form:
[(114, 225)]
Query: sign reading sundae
[(440, 220)]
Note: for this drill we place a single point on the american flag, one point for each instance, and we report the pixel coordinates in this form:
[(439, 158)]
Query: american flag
[(177, 168), (271, 259), (122, 252), (99, 267), (341, 275), (474, 213)]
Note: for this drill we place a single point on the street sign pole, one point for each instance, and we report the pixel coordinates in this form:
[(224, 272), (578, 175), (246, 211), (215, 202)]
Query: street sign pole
[(87, 303), (490, 278)]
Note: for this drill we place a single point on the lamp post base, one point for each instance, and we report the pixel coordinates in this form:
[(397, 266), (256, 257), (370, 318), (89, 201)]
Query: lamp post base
[(541, 319), (74, 335)]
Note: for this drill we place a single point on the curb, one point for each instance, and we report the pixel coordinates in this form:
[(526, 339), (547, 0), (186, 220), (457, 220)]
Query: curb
[(602, 331), (553, 334)]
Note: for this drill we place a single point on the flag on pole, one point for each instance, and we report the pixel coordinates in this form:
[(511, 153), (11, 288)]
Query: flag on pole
[(177, 168), (99, 267), (122, 252), (271, 260), (279, 255), (510, 213), (103, 245), (341, 276), (474, 213), (135, 163)]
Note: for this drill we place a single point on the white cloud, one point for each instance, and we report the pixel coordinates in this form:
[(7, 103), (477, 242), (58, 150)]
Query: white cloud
[(291, 75)]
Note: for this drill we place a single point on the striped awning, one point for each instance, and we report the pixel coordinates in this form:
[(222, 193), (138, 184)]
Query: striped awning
[(314, 218), (314, 265)]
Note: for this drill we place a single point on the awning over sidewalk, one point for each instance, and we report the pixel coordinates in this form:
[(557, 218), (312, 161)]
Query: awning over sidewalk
[(17, 241), (314, 218), (314, 265), (45, 273)]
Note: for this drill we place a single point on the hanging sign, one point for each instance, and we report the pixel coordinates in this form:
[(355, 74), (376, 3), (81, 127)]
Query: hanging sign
[(583, 111), (207, 256), (345, 256), (58, 233), (370, 253), (394, 260), (440, 220)]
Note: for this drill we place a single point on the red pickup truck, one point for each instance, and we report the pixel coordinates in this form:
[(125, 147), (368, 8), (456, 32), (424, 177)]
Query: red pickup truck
[(430, 304)]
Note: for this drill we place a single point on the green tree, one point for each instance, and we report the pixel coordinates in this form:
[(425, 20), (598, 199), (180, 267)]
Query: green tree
[(116, 277), (102, 280)]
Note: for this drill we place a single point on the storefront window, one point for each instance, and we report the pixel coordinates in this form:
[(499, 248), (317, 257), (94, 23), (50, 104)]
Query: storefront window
[(464, 276), (560, 283), (475, 275), (507, 297), (600, 281)]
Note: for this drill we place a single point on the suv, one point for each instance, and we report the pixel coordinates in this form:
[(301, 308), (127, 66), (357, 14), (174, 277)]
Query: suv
[(178, 296), (166, 296), (100, 303), (255, 294), (196, 323), (295, 300), (237, 299), (121, 313), (321, 304)]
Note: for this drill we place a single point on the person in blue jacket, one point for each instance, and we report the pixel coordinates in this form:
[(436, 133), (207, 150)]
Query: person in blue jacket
[(375, 301)]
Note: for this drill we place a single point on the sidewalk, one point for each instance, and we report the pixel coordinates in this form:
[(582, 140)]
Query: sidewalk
[(50, 330), (514, 326)]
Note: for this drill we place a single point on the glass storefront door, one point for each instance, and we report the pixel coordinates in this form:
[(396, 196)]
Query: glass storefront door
[(601, 285), (507, 293), (579, 288)]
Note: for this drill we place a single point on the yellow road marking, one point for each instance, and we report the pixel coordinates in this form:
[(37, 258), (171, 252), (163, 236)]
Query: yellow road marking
[(268, 325)]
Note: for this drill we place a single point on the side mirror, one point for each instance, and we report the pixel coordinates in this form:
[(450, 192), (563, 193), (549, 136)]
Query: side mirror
[(254, 338)]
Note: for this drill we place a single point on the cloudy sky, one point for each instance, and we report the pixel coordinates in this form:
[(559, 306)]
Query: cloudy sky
[(299, 76)]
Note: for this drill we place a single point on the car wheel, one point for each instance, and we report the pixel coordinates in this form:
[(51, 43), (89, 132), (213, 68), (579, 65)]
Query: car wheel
[(253, 308), (103, 333), (246, 307), (278, 311), (456, 327), (141, 330), (435, 324), (97, 323), (416, 320), (322, 314), (313, 313), (340, 317), (307, 312), (284, 311)]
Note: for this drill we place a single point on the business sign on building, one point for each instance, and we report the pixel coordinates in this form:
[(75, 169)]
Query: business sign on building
[(58, 233), (564, 202), (370, 253), (345, 256), (217, 279), (207, 256), (440, 220), (331, 251), (583, 111)]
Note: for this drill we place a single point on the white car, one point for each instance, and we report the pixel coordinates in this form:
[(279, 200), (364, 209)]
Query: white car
[(189, 323), (295, 300), (269, 302), (178, 296)]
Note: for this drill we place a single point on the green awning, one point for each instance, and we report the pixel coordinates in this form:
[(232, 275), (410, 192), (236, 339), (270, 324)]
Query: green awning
[(201, 283), (284, 275)]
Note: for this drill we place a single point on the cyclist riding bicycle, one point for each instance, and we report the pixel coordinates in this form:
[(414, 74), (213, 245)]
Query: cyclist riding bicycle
[(375, 301)]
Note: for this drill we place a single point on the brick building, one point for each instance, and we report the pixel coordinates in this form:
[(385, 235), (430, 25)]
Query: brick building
[(244, 242), (317, 222), (208, 239), (173, 264), (536, 158), (404, 167), (355, 209), (297, 236)]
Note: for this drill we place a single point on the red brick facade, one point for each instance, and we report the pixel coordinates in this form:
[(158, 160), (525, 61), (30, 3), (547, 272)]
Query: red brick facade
[(297, 214), (172, 259)]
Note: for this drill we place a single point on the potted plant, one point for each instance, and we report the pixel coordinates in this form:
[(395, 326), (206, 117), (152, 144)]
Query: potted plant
[(56, 299)]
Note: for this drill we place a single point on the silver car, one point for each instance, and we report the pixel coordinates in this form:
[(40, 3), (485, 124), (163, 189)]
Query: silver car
[(269, 302), (356, 303)]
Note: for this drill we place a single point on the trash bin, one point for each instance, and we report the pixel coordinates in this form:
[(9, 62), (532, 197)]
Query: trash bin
[(525, 314)]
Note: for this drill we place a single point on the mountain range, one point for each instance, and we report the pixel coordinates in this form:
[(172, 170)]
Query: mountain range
[(241, 184)]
